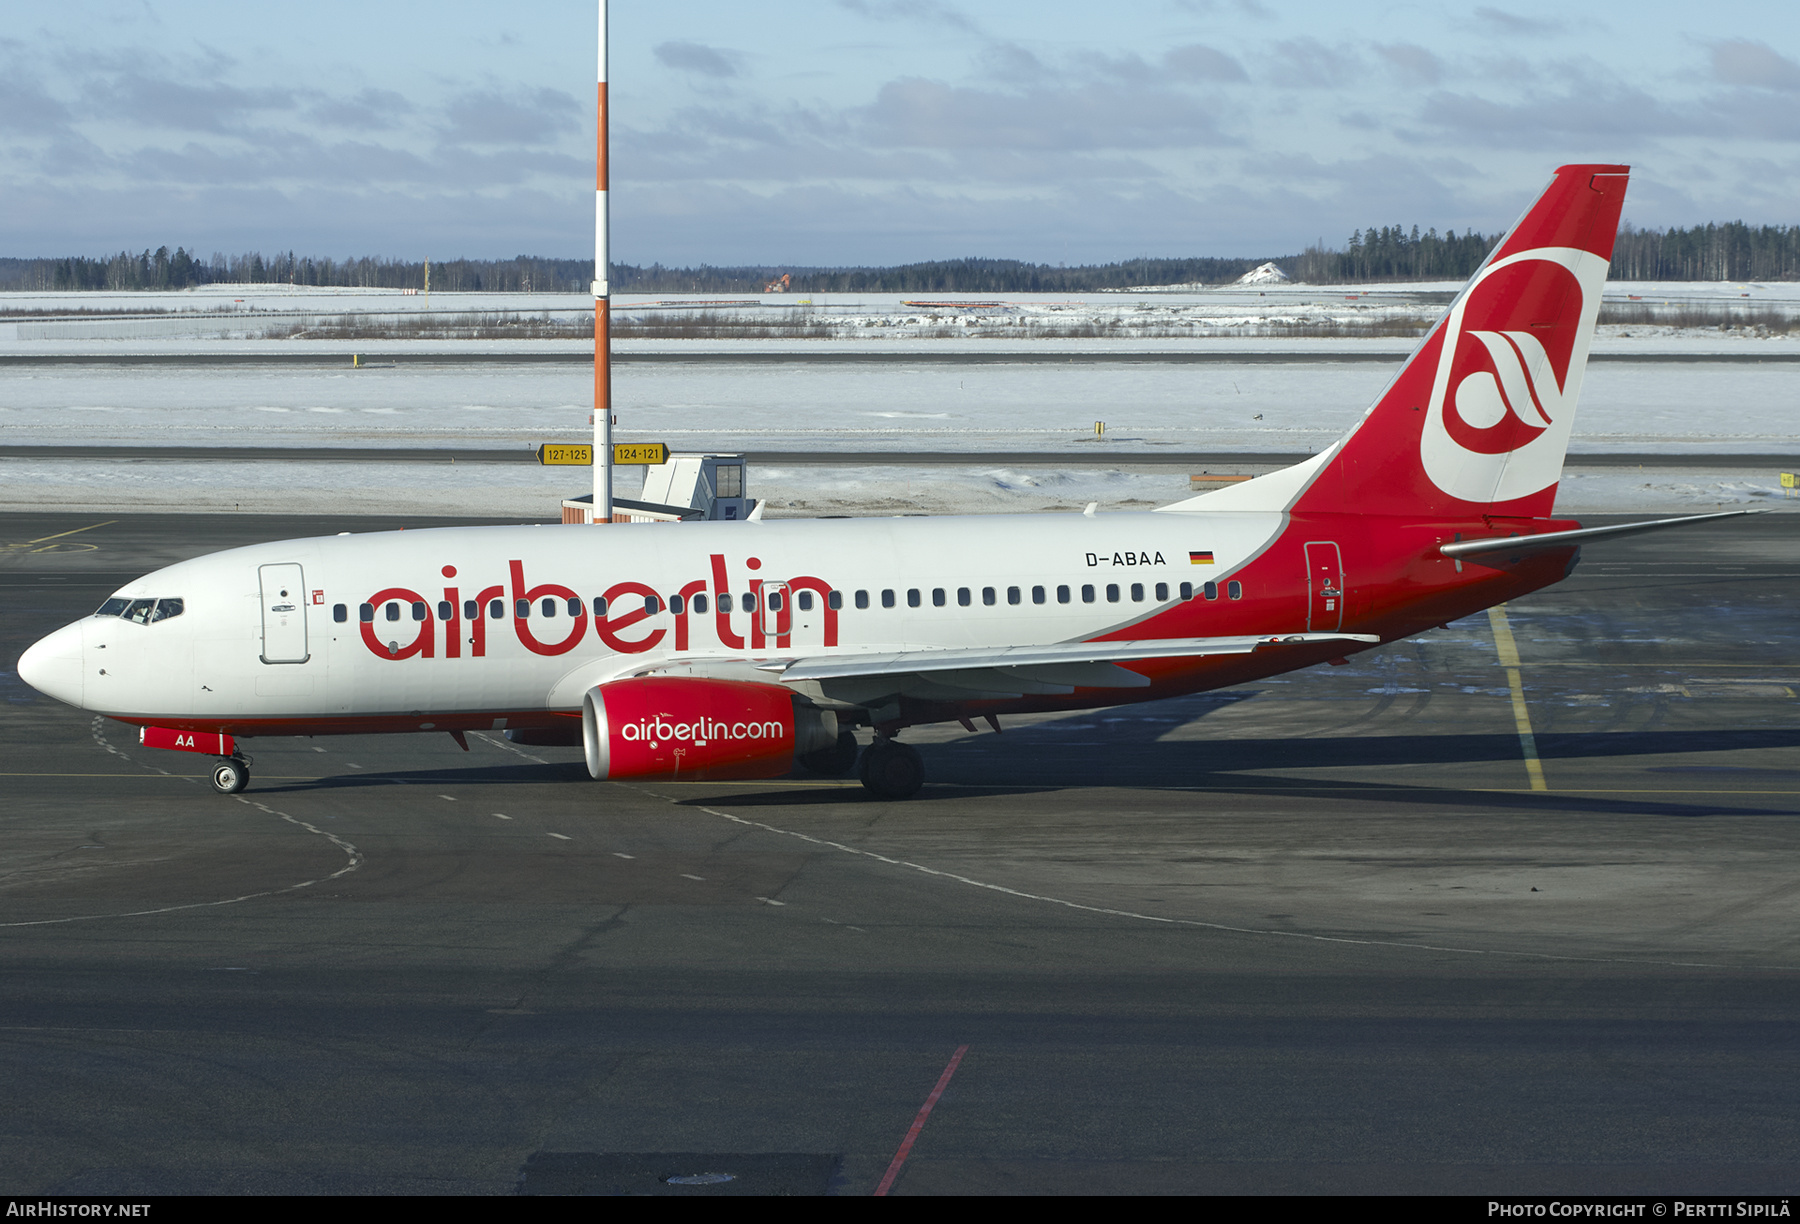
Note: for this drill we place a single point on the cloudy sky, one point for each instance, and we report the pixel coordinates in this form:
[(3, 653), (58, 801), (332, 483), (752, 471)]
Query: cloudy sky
[(807, 132)]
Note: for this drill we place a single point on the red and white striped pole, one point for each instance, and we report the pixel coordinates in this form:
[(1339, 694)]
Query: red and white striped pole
[(603, 417)]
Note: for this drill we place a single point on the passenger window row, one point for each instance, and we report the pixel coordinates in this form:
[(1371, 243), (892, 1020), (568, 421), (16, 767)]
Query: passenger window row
[(141, 611), (990, 596), (803, 600)]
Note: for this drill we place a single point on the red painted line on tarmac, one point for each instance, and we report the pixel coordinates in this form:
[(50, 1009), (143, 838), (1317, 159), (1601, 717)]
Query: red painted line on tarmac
[(919, 1122)]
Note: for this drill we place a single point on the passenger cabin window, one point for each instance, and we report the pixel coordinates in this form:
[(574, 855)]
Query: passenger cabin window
[(393, 611), (1137, 592), (1087, 594), (1037, 594), (912, 597), (574, 606), (1162, 591), (521, 609), (1234, 590), (938, 597), (419, 611), (340, 613), (835, 600), (774, 600), (887, 599), (1187, 590), (446, 610), (675, 604), (805, 600), (471, 610), (1112, 592), (724, 601), (497, 609), (962, 597), (1012, 595), (862, 599), (366, 613), (1062, 594), (1210, 590), (652, 604), (600, 605), (700, 603), (548, 608)]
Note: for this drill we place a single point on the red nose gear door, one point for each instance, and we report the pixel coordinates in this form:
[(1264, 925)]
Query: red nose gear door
[(1324, 587)]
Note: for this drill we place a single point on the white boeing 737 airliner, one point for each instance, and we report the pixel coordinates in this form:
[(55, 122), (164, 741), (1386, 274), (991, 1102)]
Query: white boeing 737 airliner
[(729, 650)]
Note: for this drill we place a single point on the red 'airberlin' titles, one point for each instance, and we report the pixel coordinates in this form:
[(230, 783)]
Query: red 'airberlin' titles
[(770, 627)]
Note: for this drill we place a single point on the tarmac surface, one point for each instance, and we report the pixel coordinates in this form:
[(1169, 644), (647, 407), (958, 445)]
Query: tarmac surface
[(1319, 934)]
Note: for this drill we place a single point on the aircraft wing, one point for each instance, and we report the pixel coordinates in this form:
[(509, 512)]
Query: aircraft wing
[(995, 672)]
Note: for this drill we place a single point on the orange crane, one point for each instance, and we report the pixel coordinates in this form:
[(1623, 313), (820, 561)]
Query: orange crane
[(779, 284)]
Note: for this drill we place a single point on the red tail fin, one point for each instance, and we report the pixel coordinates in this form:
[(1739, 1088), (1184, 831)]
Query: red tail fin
[(1479, 418)]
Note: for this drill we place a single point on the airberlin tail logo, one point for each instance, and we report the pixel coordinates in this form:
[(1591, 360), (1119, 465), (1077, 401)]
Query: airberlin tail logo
[(1509, 372)]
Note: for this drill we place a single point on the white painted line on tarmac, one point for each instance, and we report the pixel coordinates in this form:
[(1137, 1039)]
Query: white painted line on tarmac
[(1188, 922), (561, 836), (351, 852)]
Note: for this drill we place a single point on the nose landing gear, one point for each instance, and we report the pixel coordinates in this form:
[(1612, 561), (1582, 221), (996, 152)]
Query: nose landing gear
[(231, 775)]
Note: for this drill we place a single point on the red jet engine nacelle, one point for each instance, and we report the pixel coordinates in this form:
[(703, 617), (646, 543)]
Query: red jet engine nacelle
[(698, 729)]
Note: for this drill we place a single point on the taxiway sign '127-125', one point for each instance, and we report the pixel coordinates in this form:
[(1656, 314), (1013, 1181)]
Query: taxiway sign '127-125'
[(733, 650)]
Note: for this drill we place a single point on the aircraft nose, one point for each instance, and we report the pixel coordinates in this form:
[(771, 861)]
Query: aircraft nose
[(52, 665)]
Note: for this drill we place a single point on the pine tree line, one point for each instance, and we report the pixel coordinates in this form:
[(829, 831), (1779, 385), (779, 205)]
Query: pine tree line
[(1729, 251), (160, 269)]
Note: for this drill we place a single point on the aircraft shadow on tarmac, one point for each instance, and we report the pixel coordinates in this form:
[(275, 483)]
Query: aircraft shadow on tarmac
[(1130, 752)]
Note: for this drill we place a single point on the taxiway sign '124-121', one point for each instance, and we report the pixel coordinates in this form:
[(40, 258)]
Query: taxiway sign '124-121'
[(733, 650)]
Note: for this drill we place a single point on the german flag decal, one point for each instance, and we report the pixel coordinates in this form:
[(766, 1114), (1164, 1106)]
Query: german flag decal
[(1200, 558)]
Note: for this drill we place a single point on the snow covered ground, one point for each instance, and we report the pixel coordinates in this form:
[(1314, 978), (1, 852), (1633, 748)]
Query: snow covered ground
[(1690, 406), (526, 493), (287, 314), (1290, 407)]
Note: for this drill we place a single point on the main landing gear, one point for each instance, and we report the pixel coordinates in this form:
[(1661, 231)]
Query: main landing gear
[(231, 775), (891, 770)]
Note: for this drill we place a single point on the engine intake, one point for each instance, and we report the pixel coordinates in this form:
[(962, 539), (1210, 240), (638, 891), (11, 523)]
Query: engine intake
[(698, 729)]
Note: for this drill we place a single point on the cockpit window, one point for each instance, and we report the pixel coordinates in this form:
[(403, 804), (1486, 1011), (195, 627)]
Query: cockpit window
[(141, 611)]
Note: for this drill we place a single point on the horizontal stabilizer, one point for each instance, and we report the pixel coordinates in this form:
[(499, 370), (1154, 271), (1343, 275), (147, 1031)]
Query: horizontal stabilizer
[(1517, 545)]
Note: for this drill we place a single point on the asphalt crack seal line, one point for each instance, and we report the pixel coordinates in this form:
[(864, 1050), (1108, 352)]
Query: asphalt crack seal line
[(351, 853), (1450, 949)]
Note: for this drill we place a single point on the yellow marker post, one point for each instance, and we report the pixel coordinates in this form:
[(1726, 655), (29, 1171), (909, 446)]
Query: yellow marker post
[(1509, 659), (1789, 482)]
